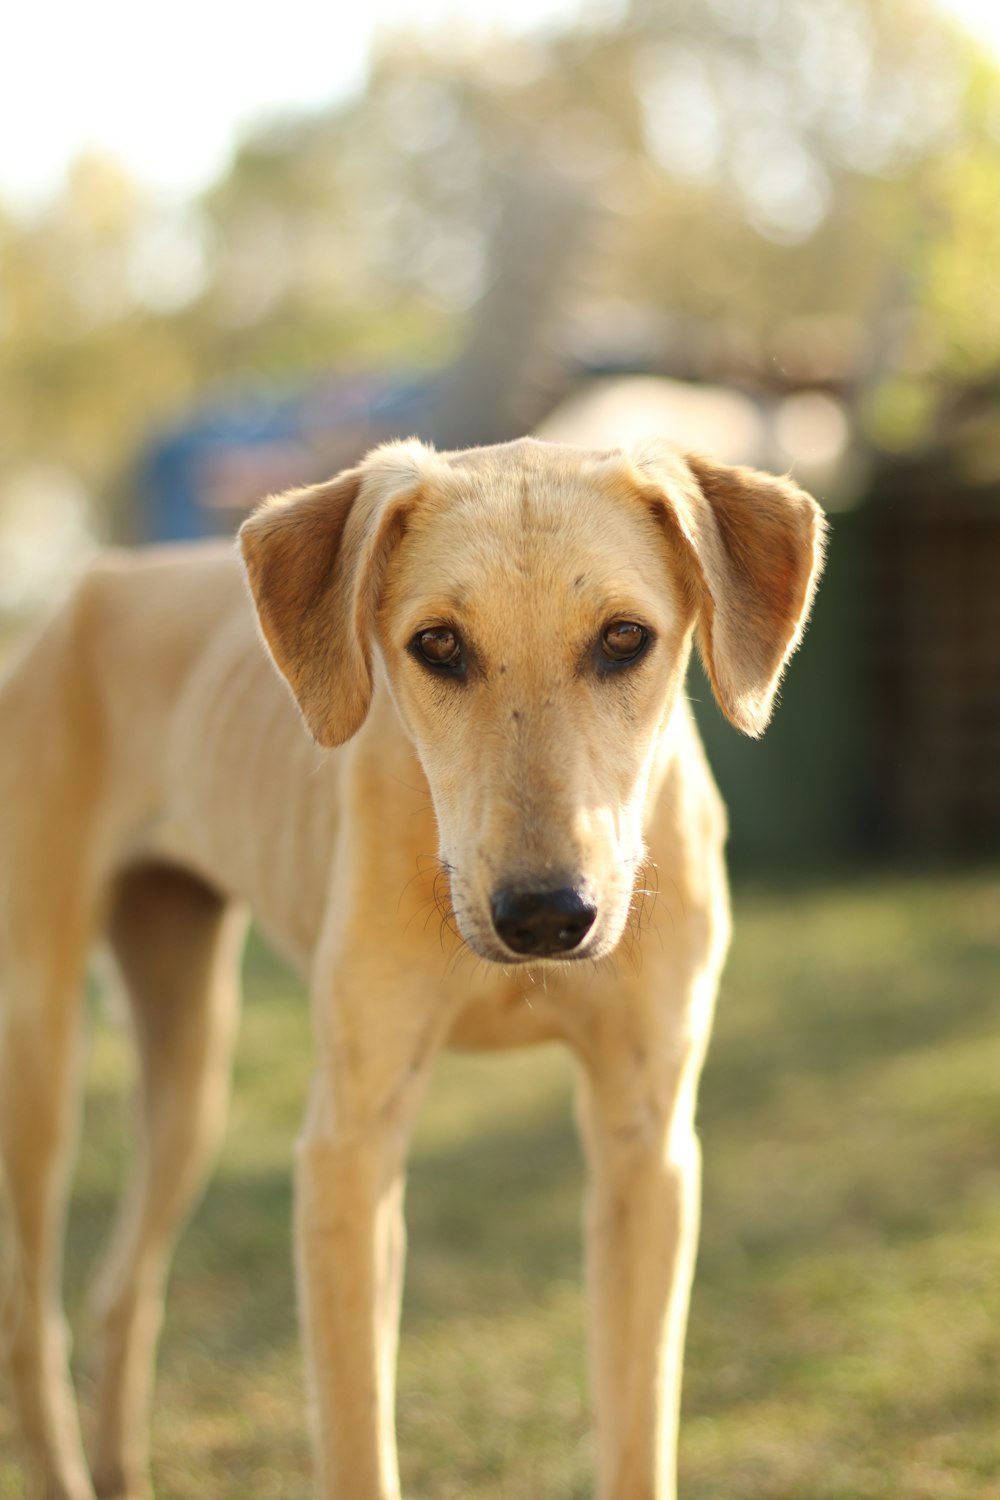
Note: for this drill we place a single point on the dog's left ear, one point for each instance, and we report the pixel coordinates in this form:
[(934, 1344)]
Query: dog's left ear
[(752, 547), (314, 560)]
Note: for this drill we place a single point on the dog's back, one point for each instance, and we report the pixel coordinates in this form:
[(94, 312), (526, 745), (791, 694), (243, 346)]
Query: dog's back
[(143, 722)]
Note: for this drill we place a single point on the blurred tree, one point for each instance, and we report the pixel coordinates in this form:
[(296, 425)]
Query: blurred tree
[(797, 191), (86, 359)]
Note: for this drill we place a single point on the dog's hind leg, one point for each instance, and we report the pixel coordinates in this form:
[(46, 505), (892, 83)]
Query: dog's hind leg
[(43, 943), (178, 945), (50, 771)]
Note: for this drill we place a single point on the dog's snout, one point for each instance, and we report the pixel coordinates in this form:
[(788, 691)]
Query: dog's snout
[(542, 923)]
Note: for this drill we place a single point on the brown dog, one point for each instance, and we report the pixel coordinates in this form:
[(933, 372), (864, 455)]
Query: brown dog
[(507, 629)]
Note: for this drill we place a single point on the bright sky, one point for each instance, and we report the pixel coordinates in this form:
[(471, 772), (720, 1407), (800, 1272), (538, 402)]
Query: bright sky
[(168, 89)]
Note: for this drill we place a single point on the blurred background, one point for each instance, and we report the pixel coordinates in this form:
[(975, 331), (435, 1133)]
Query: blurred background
[(231, 260), (234, 253)]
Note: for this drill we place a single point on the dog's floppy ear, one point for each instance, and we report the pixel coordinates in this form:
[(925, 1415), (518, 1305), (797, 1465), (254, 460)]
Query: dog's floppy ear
[(314, 560), (753, 550)]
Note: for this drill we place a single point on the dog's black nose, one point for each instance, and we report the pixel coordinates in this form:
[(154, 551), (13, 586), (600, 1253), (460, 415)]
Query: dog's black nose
[(542, 923)]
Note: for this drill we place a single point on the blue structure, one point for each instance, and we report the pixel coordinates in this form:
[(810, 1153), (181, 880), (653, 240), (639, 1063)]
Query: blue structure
[(290, 438)]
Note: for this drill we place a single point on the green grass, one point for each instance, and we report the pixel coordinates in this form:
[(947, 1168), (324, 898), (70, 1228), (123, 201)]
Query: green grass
[(845, 1330)]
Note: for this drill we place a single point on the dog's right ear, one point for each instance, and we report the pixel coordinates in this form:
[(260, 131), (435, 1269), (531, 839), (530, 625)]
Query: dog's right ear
[(314, 560)]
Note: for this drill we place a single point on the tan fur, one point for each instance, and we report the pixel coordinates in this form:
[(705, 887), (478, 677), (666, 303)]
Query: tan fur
[(156, 781)]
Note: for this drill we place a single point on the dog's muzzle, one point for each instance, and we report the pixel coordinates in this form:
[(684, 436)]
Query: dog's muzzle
[(541, 924)]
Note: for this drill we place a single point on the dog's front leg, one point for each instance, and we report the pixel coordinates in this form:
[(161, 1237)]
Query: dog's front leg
[(376, 1052), (635, 1109)]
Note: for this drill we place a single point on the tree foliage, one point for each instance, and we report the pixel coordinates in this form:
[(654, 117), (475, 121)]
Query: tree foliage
[(794, 191)]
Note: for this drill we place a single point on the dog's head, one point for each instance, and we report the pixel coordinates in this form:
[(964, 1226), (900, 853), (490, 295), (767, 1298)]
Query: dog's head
[(533, 606)]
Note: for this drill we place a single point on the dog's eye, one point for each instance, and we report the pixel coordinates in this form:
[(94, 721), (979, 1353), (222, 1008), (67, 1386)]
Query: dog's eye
[(438, 647), (623, 641)]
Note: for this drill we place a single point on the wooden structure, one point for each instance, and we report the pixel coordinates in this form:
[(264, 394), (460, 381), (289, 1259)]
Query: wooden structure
[(930, 649)]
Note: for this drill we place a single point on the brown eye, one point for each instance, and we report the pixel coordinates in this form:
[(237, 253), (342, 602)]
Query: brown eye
[(623, 641), (438, 647)]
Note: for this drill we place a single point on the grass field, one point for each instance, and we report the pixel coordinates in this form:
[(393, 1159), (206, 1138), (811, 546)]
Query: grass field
[(845, 1330)]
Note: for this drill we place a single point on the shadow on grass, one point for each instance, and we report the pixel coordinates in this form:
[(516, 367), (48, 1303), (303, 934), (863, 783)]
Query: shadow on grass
[(858, 1030), (836, 989), (494, 1218)]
